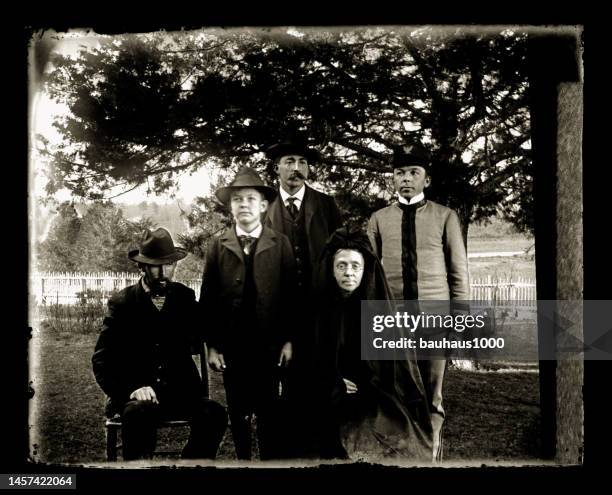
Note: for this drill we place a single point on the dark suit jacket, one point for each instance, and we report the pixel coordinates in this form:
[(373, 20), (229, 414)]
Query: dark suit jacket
[(322, 218), (274, 275), (142, 346)]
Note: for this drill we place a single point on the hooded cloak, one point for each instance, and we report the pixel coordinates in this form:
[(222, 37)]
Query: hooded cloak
[(388, 416)]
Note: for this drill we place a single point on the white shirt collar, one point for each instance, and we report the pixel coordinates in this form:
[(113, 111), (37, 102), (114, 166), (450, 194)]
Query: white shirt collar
[(415, 199), (298, 195), (255, 233)]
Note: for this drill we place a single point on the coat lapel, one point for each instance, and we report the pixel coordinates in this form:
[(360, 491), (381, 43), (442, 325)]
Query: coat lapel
[(230, 241), (267, 239), (310, 207), (275, 215), (143, 299)]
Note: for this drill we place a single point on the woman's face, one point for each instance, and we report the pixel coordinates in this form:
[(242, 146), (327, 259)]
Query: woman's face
[(348, 269)]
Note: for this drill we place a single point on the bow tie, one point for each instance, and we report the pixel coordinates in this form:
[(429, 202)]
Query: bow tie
[(246, 242)]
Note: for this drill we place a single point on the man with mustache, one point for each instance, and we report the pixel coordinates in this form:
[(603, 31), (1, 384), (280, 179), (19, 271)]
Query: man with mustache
[(143, 357), (421, 247), (307, 217)]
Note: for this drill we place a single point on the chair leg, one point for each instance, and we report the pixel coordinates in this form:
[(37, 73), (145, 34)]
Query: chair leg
[(111, 443)]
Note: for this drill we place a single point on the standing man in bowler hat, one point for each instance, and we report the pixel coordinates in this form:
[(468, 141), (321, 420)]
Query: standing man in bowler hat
[(307, 217), (143, 357), (247, 299), (421, 247)]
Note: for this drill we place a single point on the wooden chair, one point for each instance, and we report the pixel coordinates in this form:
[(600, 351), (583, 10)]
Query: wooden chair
[(113, 425)]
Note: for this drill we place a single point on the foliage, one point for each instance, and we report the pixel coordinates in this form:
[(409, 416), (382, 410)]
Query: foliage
[(97, 241), (146, 107), (84, 317)]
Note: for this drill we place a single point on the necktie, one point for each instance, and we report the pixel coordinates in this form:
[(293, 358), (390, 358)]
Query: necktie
[(291, 208), (245, 242)]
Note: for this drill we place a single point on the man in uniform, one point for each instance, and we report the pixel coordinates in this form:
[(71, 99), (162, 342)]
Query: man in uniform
[(421, 246)]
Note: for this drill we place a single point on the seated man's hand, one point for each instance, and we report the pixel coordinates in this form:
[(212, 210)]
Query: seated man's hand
[(286, 355), (351, 388), (215, 360), (144, 393)]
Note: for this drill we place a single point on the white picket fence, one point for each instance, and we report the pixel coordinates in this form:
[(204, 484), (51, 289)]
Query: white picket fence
[(64, 288), (504, 291)]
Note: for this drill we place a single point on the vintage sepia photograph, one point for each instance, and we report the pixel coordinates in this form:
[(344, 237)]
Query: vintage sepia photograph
[(210, 210)]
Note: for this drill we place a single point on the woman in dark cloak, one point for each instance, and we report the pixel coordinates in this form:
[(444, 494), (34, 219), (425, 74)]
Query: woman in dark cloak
[(367, 409)]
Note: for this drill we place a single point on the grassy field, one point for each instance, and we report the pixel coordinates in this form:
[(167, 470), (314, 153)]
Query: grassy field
[(506, 268), (490, 415), (499, 236)]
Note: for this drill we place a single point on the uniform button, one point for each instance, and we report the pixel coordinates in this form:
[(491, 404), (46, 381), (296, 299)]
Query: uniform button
[(158, 380), (298, 259), (297, 249)]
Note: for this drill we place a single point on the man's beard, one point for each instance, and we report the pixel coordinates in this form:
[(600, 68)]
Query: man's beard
[(159, 287)]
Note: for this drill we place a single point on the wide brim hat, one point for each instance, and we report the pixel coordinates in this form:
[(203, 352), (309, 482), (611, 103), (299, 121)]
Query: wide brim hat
[(414, 155), (157, 248), (246, 177), (292, 148)]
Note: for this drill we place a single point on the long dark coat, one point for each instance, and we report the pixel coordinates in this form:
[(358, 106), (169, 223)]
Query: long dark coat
[(322, 218), (221, 296), (140, 345)]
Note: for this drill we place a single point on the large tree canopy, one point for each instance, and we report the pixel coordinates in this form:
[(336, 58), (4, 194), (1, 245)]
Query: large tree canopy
[(145, 107)]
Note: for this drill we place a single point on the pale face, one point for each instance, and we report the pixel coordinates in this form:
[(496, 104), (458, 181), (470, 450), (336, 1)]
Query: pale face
[(247, 205), (348, 269), (410, 180), (158, 276), (292, 172)]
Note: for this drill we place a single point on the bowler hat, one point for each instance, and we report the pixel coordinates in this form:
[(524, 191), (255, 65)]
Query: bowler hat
[(292, 148), (412, 154), (246, 177), (157, 248)]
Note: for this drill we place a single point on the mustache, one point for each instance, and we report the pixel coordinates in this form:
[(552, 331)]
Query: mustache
[(298, 174)]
